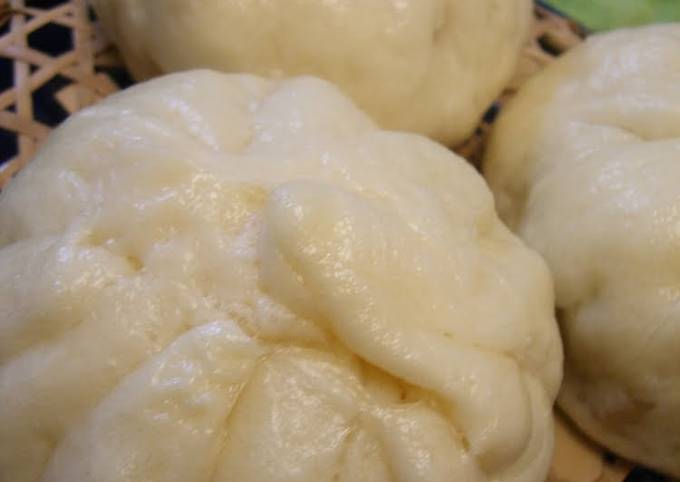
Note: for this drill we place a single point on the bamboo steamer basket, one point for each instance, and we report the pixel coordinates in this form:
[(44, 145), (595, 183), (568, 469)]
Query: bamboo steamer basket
[(91, 69)]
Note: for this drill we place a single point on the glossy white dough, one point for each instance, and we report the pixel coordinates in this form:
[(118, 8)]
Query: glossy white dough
[(427, 66), (212, 277), (585, 165)]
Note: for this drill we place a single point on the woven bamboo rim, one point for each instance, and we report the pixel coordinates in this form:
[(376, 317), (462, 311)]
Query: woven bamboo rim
[(33, 68), (576, 459)]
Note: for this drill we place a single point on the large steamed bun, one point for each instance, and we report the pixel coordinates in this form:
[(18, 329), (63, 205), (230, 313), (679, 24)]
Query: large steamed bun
[(223, 278), (428, 66), (585, 164)]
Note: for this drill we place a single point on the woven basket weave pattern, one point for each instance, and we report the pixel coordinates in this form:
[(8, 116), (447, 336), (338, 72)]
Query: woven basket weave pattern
[(33, 68)]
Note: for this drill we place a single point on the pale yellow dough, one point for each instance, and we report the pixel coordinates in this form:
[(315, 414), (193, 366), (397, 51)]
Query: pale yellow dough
[(213, 277), (585, 165), (427, 66)]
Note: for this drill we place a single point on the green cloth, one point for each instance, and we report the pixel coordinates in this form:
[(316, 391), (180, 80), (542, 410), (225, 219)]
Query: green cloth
[(599, 15)]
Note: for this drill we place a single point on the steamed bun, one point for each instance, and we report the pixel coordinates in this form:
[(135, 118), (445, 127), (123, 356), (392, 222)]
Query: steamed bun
[(428, 66), (214, 277), (585, 165)]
